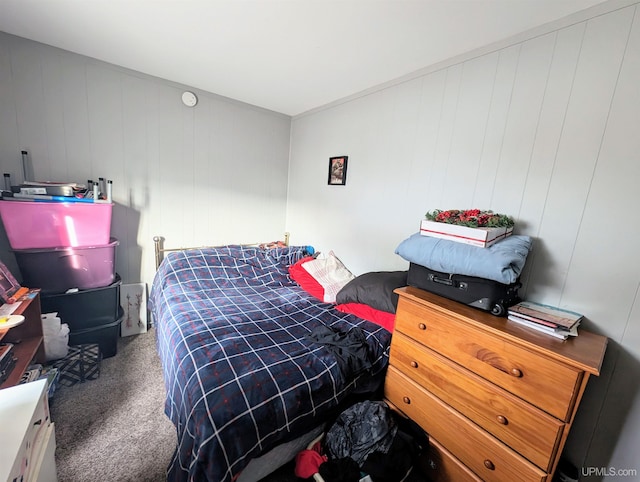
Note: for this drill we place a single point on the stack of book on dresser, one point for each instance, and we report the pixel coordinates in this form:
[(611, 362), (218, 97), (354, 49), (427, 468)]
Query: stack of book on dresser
[(546, 319)]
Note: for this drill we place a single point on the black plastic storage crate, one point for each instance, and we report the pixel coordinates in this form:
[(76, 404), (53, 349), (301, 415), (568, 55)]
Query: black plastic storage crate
[(93, 315), (105, 335), (85, 309)]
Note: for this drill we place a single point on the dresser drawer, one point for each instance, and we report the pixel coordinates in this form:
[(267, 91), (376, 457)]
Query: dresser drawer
[(486, 456), (546, 383), (439, 465), (528, 430)]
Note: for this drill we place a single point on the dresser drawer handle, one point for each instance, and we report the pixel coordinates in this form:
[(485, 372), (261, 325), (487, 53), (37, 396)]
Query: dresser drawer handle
[(494, 359), (488, 464), (514, 372), (414, 364), (502, 420), (406, 400), (422, 326)]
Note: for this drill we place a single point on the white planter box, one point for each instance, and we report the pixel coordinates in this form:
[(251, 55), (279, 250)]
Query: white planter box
[(483, 237)]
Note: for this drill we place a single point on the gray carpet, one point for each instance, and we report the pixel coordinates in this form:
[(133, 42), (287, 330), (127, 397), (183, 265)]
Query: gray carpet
[(114, 428)]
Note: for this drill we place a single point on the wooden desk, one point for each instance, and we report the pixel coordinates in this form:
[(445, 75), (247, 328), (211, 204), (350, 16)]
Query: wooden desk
[(27, 339)]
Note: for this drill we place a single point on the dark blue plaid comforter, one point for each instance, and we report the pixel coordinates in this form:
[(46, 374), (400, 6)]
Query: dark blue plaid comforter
[(240, 372)]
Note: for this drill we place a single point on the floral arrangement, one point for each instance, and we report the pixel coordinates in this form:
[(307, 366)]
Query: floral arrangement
[(474, 218)]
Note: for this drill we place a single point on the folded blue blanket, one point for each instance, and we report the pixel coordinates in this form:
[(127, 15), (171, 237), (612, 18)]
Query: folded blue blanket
[(502, 262)]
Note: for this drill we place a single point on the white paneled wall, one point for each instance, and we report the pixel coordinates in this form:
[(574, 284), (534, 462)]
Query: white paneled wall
[(545, 129), (212, 174)]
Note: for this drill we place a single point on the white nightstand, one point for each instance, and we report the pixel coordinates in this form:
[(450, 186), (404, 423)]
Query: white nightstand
[(27, 434)]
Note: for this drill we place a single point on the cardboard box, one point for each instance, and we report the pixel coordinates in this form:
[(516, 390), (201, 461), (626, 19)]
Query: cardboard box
[(483, 237)]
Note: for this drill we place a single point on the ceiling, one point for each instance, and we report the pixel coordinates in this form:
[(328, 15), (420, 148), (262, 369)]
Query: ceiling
[(289, 56)]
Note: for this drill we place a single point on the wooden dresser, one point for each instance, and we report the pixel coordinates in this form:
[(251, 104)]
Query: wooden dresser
[(496, 399)]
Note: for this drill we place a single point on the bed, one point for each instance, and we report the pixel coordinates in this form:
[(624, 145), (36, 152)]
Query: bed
[(247, 365)]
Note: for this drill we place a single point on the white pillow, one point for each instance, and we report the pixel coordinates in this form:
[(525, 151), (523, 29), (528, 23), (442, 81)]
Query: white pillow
[(330, 273)]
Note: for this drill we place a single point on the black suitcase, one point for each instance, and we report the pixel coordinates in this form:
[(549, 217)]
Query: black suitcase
[(482, 293)]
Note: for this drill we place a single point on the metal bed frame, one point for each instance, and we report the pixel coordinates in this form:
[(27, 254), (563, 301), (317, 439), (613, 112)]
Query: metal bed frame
[(159, 249)]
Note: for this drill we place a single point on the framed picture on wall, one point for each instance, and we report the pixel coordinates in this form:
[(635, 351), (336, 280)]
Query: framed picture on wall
[(338, 170)]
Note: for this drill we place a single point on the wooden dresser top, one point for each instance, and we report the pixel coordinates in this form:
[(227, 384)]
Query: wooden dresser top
[(585, 351)]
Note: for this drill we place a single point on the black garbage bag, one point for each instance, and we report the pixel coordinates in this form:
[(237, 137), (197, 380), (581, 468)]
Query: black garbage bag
[(383, 445), (361, 429)]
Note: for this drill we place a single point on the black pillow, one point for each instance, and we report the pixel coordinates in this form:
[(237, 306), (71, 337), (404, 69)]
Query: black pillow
[(374, 289)]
